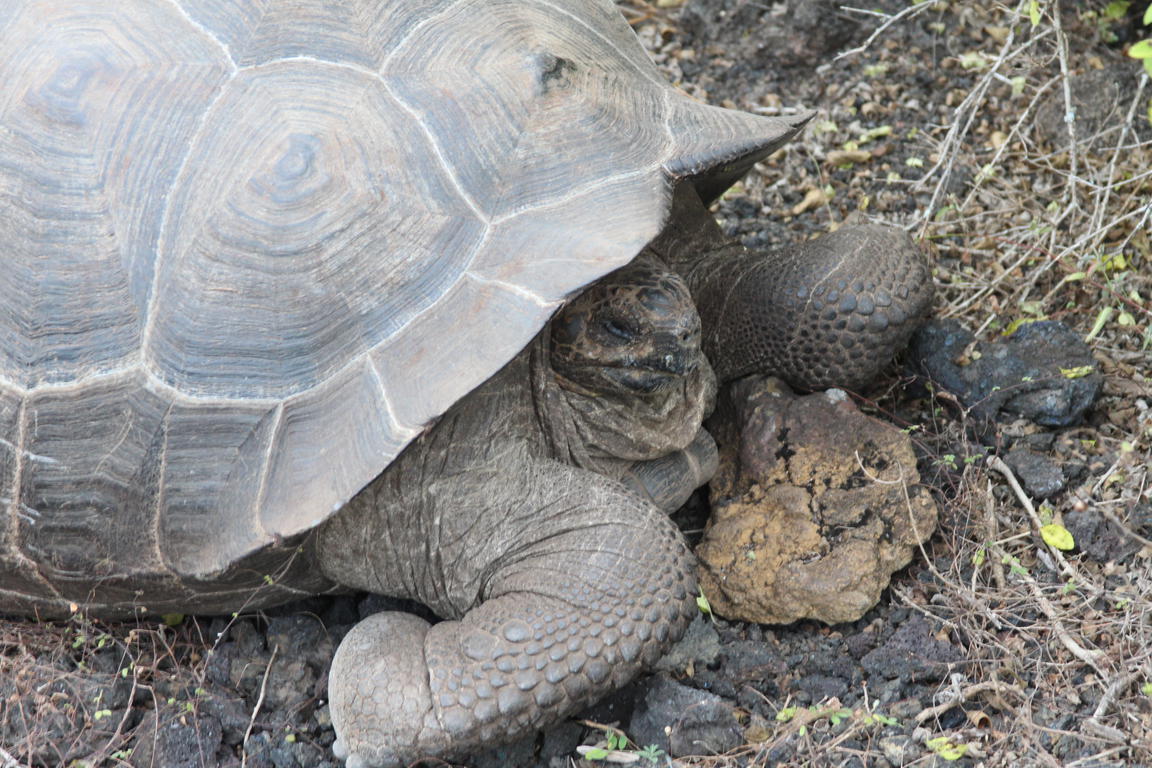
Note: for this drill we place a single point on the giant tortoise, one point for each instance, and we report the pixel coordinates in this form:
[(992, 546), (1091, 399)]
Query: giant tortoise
[(277, 319)]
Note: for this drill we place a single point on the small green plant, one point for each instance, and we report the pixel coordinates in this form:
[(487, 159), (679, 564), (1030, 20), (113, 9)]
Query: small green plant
[(615, 744), (1014, 565), (1142, 51), (786, 714), (651, 753), (980, 555), (947, 460), (703, 604), (875, 718), (946, 748), (839, 716)]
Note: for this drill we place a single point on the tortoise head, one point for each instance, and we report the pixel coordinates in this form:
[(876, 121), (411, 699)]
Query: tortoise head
[(634, 332)]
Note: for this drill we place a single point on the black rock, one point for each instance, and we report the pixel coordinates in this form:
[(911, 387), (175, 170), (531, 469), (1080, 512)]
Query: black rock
[(1041, 476), (699, 648), (913, 653), (821, 687), (743, 663), (231, 712), (697, 722), (860, 643), (301, 636), (1099, 100), (1101, 539), (178, 742), (518, 754), (1036, 373)]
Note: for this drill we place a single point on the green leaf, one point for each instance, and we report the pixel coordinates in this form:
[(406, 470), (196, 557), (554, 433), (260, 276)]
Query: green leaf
[(595, 754), (1102, 318), (1148, 15), (1034, 12), (1141, 50), (172, 619), (1056, 535), (1146, 689), (786, 714), (1078, 372), (1015, 324), (703, 604), (875, 133), (947, 749), (973, 60), (1116, 9)]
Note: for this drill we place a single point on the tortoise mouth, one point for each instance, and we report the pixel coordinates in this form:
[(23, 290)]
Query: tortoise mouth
[(650, 376), (640, 380)]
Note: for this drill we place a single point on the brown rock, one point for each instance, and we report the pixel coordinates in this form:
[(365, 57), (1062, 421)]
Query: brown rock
[(814, 507)]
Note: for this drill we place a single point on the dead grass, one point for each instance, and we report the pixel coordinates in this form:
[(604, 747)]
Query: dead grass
[(71, 692)]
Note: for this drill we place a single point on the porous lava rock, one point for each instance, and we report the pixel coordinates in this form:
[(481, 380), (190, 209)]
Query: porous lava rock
[(1099, 101), (814, 506), (1041, 475), (1044, 372), (684, 721)]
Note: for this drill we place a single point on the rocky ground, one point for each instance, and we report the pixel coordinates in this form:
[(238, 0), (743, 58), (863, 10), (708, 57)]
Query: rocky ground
[(993, 648)]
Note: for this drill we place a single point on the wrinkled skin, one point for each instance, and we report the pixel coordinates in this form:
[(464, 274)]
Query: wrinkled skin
[(533, 515)]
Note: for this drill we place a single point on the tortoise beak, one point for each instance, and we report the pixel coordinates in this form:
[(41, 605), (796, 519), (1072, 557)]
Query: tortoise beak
[(671, 359), (672, 355)]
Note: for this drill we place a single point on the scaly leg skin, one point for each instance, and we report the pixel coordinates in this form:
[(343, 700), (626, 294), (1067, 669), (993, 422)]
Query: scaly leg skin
[(670, 480), (826, 312), (572, 606)]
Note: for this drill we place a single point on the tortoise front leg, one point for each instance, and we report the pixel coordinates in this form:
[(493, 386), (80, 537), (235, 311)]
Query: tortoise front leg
[(825, 312), (669, 481), (576, 588)]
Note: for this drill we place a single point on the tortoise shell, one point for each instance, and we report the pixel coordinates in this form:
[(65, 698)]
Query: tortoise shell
[(252, 249)]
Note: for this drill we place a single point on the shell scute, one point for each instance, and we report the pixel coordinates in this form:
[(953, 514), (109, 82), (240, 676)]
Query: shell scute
[(304, 240), (90, 134)]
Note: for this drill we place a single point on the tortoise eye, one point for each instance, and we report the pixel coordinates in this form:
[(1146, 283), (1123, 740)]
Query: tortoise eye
[(619, 331)]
